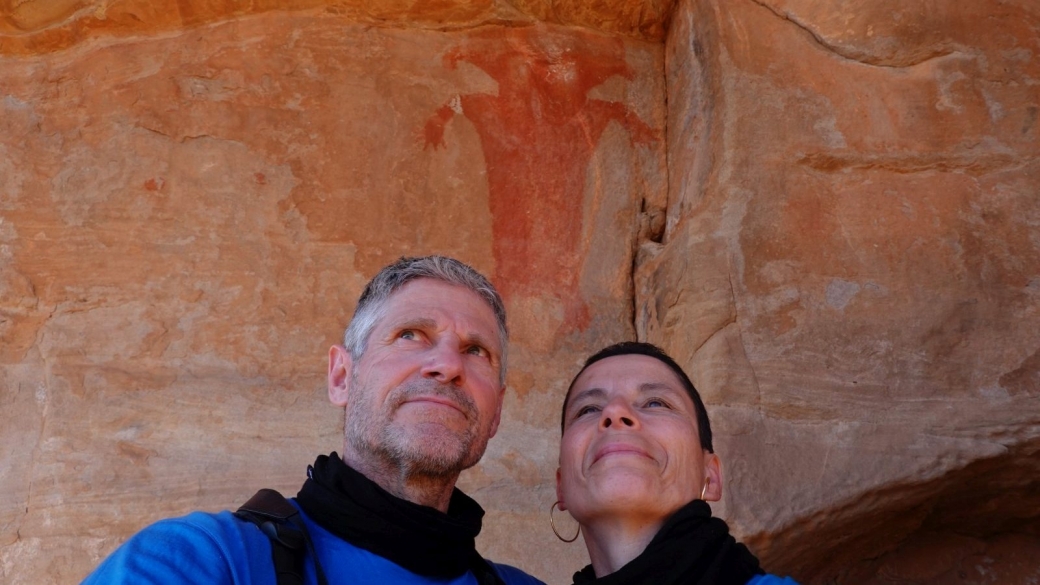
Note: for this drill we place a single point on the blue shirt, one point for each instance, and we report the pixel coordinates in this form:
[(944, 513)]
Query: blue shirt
[(771, 580), (220, 549)]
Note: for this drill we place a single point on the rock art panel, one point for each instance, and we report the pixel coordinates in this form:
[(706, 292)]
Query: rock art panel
[(538, 133), (849, 266)]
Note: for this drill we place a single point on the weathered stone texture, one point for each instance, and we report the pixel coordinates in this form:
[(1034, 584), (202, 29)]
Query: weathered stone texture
[(34, 26), (186, 219), (851, 267), (949, 558), (844, 249)]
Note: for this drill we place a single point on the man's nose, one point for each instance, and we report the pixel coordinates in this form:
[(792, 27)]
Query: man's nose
[(617, 413), (443, 363)]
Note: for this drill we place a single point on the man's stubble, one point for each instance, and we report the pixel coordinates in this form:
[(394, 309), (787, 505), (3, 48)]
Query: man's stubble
[(429, 448)]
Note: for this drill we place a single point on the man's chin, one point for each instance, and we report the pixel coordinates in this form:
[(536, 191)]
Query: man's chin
[(434, 450)]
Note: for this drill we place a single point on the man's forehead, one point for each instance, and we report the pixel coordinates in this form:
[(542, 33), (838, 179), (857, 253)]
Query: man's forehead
[(428, 303), (431, 292)]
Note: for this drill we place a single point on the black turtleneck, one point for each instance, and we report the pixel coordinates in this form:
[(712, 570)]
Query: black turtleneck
[(690, 548), (421, 539)]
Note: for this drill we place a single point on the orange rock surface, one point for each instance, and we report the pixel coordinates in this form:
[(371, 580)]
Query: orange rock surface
[(827, 213), (37, 26), (851, 267)]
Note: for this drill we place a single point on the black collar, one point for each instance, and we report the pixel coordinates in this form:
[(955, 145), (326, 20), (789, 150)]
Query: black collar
[(691, 548), (421, 539)]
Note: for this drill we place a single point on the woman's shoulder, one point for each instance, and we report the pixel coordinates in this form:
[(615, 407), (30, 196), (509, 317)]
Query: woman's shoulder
[(771, 580)]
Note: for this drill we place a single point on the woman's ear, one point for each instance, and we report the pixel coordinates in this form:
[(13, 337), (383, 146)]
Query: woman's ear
[(339, 374), (712, 477)]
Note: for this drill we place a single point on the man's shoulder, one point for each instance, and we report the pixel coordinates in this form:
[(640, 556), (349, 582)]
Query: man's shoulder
[(513, 576), (771, 580), (213, 547), (220, 530)]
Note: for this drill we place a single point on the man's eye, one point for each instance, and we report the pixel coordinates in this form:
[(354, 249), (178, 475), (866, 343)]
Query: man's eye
[(477, 350), (407, 334), (656, 403)]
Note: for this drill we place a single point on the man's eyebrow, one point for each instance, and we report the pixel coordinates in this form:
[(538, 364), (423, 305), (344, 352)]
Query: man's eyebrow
[(414, 323), (425, 323), (477, 339)]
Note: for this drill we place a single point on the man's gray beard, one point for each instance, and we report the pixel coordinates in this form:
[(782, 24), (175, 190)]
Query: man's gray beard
[(370, 430)]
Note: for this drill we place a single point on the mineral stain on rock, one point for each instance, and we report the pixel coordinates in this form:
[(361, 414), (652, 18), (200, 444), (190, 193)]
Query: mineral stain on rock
[(840, 292), (1025, 379)]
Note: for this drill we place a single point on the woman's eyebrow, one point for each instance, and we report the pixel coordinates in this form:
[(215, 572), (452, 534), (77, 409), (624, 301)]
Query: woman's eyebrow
[(655, 387), (586, 394), (660, 388)]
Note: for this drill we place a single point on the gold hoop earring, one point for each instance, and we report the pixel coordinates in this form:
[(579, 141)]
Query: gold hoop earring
[(553, 524), (704, 489)]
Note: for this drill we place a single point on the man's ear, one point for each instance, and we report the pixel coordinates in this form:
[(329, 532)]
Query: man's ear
[(498, 412), (559, 492), (712, 475), (340, 365)]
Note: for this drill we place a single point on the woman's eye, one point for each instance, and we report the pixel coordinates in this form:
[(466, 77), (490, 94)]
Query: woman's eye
[(656, 403), (586, 410)]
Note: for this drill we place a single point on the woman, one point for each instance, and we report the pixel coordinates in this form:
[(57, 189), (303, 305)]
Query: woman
[(636, 470)]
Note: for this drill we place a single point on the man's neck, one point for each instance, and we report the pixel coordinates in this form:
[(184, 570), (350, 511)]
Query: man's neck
[(425, 490), (614, 541)]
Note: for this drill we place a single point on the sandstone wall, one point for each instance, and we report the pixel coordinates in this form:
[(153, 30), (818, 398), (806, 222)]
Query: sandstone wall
[(851, 269), (188, 213), (828, 212)]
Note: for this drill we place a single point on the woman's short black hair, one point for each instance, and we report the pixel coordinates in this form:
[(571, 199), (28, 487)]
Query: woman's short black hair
[(650, 350)]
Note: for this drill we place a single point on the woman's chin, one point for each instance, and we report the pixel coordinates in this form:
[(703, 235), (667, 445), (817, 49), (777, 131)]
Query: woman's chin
[(625, 491)]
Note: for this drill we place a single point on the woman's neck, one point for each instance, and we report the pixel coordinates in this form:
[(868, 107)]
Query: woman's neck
[(614, 541)]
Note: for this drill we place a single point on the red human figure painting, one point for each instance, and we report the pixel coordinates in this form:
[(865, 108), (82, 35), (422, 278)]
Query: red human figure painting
[(538, 134)]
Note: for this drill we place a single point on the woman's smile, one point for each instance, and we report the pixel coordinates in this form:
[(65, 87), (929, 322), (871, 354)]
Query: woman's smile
[(619, 448)]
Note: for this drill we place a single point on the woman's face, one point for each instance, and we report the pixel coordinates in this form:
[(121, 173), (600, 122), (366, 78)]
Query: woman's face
[(630, 443)]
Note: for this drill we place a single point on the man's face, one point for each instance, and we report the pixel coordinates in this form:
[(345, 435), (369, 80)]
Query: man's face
[(425, 397), (630, 443)]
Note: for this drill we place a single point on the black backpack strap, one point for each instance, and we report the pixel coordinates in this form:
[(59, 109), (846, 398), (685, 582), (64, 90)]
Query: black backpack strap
[(280, 521)]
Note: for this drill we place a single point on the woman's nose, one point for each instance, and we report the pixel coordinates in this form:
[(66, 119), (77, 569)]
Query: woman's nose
[(617, 414)]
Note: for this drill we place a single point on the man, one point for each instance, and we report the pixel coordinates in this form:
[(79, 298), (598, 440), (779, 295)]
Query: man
[(421, 377)]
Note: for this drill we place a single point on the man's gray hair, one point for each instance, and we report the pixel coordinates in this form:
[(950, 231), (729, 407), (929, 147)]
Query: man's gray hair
[(372, 305)]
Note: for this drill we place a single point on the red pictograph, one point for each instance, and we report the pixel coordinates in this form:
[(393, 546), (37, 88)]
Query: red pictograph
[(538, 135)]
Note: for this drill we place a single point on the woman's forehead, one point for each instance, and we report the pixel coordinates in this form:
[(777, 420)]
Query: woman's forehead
[(637, 375), (632, 370), (629, 372)]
